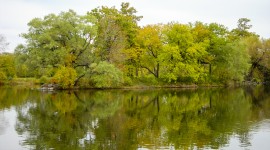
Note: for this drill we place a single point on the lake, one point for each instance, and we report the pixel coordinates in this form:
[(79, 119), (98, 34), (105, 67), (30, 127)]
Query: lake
[(213, 118)]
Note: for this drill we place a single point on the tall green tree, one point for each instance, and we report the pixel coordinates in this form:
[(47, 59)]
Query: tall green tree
[(233, 64), (24, 67), (116, 31), (227, 57), (61, 40), (187, 52), (242, 29), (149, 41), (259, 52)]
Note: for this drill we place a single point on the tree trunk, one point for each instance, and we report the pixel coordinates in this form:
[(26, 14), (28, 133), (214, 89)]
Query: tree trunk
[(157, 71)]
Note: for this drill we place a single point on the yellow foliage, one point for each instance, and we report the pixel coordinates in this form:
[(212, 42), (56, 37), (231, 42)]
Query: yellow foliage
[(2, 76), (65, 77)]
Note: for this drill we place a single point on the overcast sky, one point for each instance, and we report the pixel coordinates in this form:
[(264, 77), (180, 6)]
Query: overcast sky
[(15, 14)]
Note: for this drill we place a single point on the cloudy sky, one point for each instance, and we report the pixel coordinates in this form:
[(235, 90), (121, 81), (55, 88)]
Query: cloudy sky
[(15, 14)]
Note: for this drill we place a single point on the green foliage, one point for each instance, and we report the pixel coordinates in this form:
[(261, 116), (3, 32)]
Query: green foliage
[(7, 66), (242, 28), (24, 66), (3, 76), (127, 81), (179, 35), (43, 80), (106, 75), (183, 54), (233, 64), (58, 40), (65, 77), (116, 31), (260, 54), (149, 40), (241, 32), (171, 53), (149, 79), (238, 61)]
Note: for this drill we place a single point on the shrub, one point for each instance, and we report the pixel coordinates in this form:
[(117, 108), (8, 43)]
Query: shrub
[(106, 75), (65, 77), (127, 81), (3, 76), (43, 80)]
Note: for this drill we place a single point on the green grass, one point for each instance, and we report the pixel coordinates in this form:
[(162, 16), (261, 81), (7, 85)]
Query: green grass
[(23, 81)]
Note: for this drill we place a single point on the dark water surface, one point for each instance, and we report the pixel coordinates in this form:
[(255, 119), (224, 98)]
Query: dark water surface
[(135, 119)]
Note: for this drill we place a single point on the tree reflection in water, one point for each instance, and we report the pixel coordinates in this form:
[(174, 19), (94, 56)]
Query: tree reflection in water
[(154, 119)]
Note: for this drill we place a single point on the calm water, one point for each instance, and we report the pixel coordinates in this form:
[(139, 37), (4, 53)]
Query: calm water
[(135, 119)]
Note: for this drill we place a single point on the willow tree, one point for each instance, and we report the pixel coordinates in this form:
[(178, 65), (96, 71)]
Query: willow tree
[(61, 40)]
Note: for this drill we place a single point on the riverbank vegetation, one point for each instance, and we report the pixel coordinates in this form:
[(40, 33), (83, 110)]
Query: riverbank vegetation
[(106, 48)]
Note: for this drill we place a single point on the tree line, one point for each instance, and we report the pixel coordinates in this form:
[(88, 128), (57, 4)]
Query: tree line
[(107, 48)]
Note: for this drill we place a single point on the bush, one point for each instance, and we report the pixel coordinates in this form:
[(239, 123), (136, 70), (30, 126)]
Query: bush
[(85, 82), (3, 76), (127, 81), (149, 79), (65, 77), (43, 80), (106, 75)]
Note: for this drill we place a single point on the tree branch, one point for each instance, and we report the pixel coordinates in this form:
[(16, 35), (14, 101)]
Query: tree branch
[(149, 70)]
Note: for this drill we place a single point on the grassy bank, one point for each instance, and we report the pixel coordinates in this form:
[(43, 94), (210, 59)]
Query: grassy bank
[(27, 82), (33, 82)]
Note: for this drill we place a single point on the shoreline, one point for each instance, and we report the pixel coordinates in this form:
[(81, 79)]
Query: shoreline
[(33, 83)]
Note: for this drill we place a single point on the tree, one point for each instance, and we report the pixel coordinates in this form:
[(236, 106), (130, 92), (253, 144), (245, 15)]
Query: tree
[(61, 40), (266, 51), (3, 43), (242, 28), (149, 41), (174, 52), (185, 53), (7, 66), (23, 65), (105, 75), (116, 31), (228, 59), (243, 24), (234, 62), (259, 51), (218, 38), (179, 35)]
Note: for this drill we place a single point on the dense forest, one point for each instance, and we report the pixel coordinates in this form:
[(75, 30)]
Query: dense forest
[(107, 48)]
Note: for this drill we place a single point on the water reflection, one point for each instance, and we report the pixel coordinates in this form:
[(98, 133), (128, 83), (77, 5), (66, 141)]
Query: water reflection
[(3, 123), (138, 119)]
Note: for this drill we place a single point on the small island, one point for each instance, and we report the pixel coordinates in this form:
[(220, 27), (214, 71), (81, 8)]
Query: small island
[(106, 48)]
